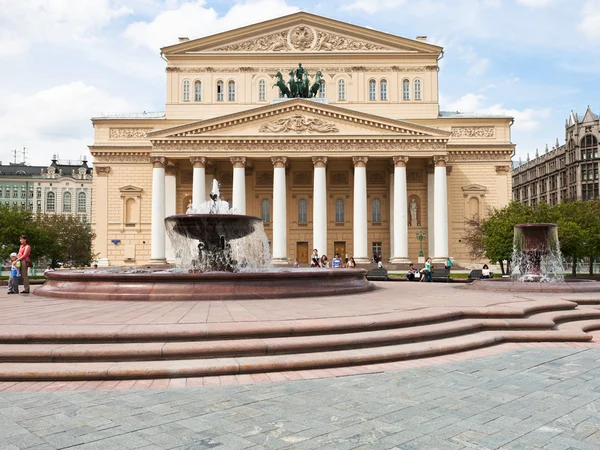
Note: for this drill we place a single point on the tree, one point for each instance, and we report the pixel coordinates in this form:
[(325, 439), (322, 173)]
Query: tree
[(14, 221), (473, 238)]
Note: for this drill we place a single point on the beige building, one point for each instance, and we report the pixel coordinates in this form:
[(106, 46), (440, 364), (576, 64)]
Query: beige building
[(568, 172), (358, 169)]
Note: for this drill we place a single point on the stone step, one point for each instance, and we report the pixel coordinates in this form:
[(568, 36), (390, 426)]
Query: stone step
[(29, 371)]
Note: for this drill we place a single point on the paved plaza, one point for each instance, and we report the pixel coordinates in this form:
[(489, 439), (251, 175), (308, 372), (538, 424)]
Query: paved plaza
[(522, 399)]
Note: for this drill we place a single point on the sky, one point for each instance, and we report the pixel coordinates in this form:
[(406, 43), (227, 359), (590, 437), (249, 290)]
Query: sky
[(65, 61)]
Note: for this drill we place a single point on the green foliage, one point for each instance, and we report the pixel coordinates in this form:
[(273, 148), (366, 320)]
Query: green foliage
[(53, 237)]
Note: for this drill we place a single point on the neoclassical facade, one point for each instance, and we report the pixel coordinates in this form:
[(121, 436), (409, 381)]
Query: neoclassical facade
[(358, 169)]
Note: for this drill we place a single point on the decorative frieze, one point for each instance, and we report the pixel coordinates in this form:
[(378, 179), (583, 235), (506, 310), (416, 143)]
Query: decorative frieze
[(121, 158), (480, 155), (128, 133), (187, 177), (375, 178), (300, 124), (502, 169), (339, 178), (264, 178), (303, 178), (328, 70), (473, 132), (226, 179), (415, 176)]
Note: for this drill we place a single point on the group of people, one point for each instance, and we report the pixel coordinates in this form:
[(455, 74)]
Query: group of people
[(19, 266), (426, 273), (337, 262)]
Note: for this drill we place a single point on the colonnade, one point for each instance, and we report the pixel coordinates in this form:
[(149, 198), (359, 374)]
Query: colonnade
[(437, 206)]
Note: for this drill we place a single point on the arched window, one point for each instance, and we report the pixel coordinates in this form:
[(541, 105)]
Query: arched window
[(231, 91), (339, 210), (417, 90), (383, 90), (322, 90), (220, 89), (81, 202), (589, 147), (50, 201), (130, 211), (67, 202), (372, 90), (265, 211), (341, 90), (197, 91), (186, 91), (376, 210), (473, 207), (262, 91), (405, 90), (302, 211)]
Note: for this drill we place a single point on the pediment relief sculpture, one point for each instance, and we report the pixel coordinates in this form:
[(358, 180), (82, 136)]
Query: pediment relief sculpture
[(300, 124), (301, 38)]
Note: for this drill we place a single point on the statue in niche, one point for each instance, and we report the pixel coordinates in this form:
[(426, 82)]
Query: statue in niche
[(413, 213)]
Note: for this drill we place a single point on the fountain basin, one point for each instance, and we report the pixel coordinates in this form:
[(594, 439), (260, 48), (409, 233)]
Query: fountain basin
[(569, 285), (210, 227), (159, 285)]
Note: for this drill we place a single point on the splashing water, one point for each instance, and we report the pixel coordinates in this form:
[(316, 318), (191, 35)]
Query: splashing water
[(536, 253)]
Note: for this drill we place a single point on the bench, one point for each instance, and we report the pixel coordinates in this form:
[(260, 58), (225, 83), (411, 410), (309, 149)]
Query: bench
[(475, 274), (440, 275)]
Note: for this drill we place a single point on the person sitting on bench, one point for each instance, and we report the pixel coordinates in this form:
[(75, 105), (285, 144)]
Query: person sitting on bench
[(485, 272), (412, 273)]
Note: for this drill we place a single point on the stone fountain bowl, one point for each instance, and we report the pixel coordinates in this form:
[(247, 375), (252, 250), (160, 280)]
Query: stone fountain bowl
[(211, 227), (569, 285), (535, 236)]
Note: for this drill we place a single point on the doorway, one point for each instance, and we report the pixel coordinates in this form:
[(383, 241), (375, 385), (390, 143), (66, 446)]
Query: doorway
[(340, 247), (302, 252)]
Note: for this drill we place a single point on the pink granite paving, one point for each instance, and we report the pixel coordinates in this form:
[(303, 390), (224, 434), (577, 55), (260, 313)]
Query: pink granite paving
[(18, 312)]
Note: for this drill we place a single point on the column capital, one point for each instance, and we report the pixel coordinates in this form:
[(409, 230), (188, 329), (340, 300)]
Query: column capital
[(319, 161), (158, 162), (171, 169), (400, 161), (102, 171), (279, 161), (239, 162), (198, 162), (440, 160), (360, 161)]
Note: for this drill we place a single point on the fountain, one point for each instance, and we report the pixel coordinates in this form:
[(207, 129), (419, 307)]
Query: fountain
[(220, 255), (537, 264)]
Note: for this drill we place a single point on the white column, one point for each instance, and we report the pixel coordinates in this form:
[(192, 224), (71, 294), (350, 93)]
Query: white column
[(239, 184), (100, 219), (199, 181), (320, 204), (400, 255), (170, 206), (361, 252), (440, 207), (391, 217), (430, 215), (157, 250), (279, 255)]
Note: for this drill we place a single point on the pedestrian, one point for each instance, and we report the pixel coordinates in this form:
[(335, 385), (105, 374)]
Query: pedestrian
[(315, 261), (448, 265), (23, 258), (296, 263), (13, 280), (426, 272)]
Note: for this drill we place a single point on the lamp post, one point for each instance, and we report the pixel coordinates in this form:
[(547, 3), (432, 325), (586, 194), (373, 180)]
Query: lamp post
[(420, 236)]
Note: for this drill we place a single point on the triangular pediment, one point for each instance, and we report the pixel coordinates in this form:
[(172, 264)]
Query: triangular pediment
[(474, 188), (302, 33), (130, 189), (299, 117)]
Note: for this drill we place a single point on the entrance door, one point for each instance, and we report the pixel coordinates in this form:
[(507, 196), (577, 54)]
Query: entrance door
[(339, 247), (302, 252)]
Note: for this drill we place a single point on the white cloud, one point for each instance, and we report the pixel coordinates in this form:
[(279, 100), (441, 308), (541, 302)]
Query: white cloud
[(194, 19), (372, 6), (590, 23), (535, 3), (25, 23), (56, 118)]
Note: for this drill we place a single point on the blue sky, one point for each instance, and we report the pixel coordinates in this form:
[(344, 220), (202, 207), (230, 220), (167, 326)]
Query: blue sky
[(64, 61)]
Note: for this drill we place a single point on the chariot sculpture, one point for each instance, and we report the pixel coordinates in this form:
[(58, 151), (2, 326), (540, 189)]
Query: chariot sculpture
[(299, 85)]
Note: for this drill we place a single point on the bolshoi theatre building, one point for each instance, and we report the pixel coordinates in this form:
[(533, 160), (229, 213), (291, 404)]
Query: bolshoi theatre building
[(366, 165)]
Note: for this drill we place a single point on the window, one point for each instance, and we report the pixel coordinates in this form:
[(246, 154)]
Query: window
[(322, 90), (262, 91), (265, 211), (376, 248), (81, 202), (50, 201), (231, 91), (383, 90), (339, 210), (405, 90), (67, 202), (341, 90), (197, 91), (220, 92), (186, 91), (302, 211), (417, 89), (376, 211), (372, 90)]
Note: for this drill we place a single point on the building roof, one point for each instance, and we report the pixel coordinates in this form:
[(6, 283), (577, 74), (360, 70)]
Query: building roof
[(24, 170), (131, 116), (472, 115)]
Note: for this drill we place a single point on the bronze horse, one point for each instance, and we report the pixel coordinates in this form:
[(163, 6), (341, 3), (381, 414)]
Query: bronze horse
[(314, 89), (282, 86)]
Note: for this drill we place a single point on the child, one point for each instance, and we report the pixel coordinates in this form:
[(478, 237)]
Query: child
[(13, 281)]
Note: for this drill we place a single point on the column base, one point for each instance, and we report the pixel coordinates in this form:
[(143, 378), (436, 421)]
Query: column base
[(363, 260), (439, 259), (280, 261), (400, 260), (158, 261)]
